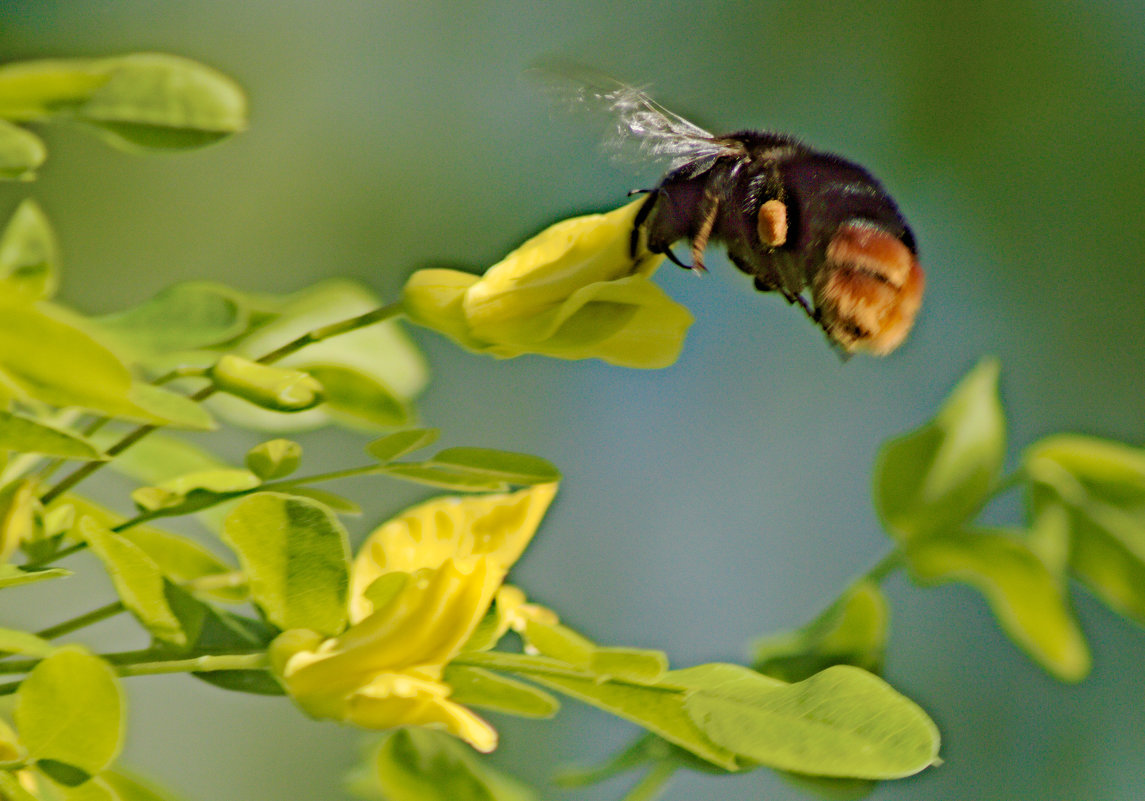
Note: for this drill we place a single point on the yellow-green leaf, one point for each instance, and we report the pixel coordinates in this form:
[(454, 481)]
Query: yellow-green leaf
[(937, 477), (483, 688), (841, 722), (138, 581), (154, 101), (297, 557), (273, 459), (70, 709), (29, 255), (1029, 602), (21, 153), (30, 436)]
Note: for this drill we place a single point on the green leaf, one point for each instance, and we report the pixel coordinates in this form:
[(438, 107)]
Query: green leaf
[(512, 468), (425, 765), (182, 317), (23, 642), (559, 642), (274, 388), (70, 709), (841, 722), (481, 688), (296, 555), (29, 255), (18, 516), (1109, 557), (179, 558), (75, 782), (434, 476), (207, 483), (28, 436), (274, 459), (357, 399), (852, 631), (659, 709), (400, 443), (170, 407), (937, 477), (632, 664), (1108, 471), (13, 576), (21, 153), (45, 359), (35, 90), (1101, 487), (138, 581), (152, 101), (1029, 602)]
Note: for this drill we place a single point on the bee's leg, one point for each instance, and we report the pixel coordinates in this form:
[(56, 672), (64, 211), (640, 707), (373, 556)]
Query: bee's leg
[(796, 299), (641, 218), (700, 240), (672, 258)]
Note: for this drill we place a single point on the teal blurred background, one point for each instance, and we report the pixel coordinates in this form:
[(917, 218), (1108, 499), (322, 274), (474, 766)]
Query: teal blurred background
[(724, 497)]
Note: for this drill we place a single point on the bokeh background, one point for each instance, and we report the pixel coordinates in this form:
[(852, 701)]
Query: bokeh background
[(724, 497)]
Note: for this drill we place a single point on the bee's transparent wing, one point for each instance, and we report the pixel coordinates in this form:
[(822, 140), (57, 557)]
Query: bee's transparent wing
[(637, 127)]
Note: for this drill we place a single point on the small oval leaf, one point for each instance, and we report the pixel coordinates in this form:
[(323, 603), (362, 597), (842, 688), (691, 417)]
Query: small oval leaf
[(297, 556), (275, 458), (70, 709), (29, 255), (513, 468), (400, 443), (938, 476)]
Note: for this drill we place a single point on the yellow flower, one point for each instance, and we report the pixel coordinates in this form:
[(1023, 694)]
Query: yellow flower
[(419, 586), (572, 291)]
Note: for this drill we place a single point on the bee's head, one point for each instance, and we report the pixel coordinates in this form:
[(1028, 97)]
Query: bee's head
[(868, 289)]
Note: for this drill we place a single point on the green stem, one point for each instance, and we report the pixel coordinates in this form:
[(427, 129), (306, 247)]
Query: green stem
[(1007, 483), (197, 664), (134, 663), (884, 567), (92, 617), (309, 338)]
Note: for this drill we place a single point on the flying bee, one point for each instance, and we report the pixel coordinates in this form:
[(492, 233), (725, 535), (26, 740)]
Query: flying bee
[(810, 225)]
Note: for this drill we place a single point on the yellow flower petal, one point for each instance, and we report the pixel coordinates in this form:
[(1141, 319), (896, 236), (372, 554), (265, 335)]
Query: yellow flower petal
[(403, 700), (499, 526), (433, 298), (544, 271), (420, 629), (574, 291)]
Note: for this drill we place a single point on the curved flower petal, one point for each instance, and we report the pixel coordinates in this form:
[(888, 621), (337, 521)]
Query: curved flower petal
[(421, 628), (573, 291), (547, 269), (498, 526), (403, 700)]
